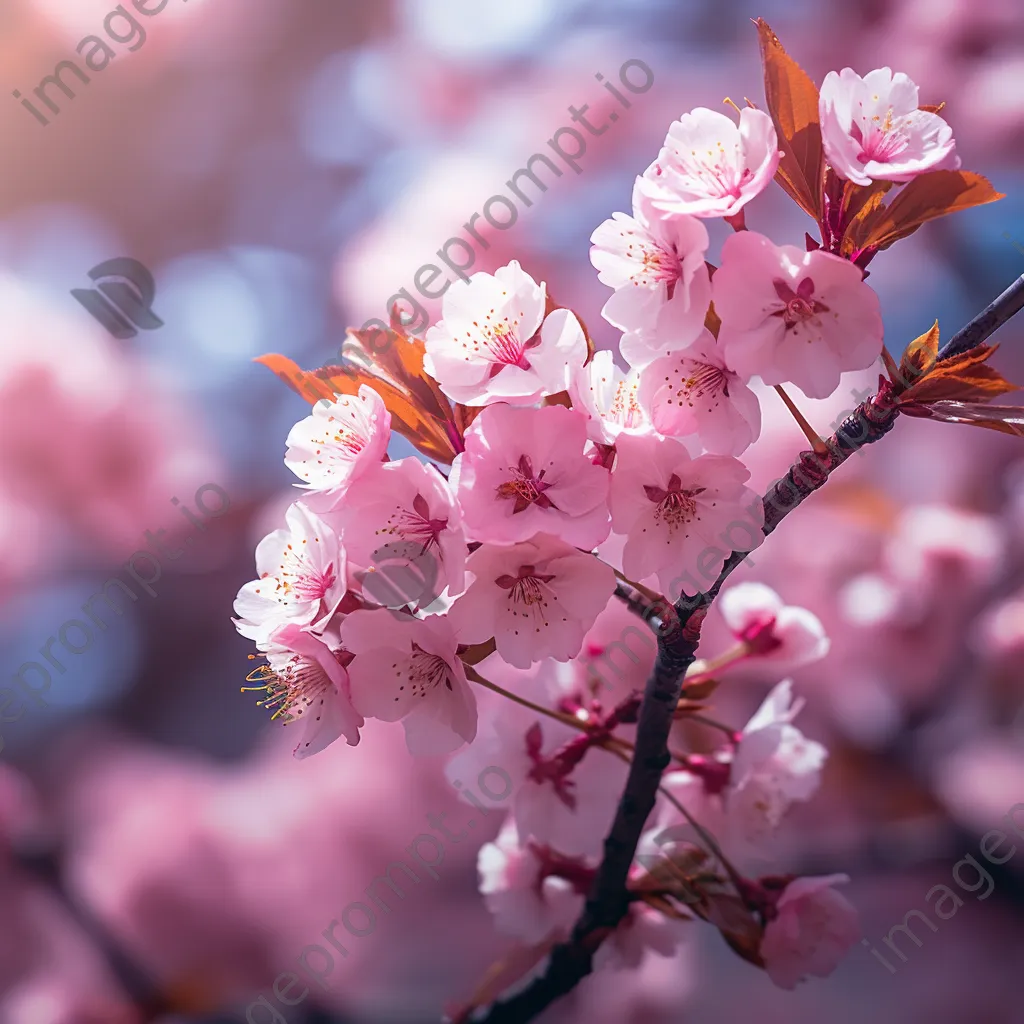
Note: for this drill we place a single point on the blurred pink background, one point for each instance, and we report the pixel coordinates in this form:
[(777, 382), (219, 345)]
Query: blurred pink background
[(283, 167)]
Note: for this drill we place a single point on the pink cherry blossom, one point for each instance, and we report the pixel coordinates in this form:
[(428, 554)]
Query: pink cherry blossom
[(774, 634), (306, 682), (871, 128), (774, 765), (794, 316), (537, 599), (494, 343), (408, 670), (401, 521), (651, 261), (302, 572), (567, 812), (676, 511), (812, 931), (524, 472), (712, 167), (609, 397), (527, 900), (694, 393), (340, 440)]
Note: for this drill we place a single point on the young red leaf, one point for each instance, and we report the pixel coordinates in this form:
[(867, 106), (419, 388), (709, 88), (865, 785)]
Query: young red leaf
[(964, 378), (918, 359), (415, 403), (926, 197), (793, 105)]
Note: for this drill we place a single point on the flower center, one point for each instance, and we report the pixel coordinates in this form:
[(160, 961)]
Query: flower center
[(416, 524), (658, 263), (760, 637), (716, 173), (624, 408), (800, 305), (676, 506), (704, 380), (299, 579), (292, 690), (502, 345), (344, 437), (528, 587), (525, 488), (881, 139), (427, 672)]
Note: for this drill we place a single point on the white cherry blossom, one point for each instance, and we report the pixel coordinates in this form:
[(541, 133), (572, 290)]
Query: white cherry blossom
[(495, 344), (338, 441), (871, 128), (302, 571), (774, 765), (710, 166)]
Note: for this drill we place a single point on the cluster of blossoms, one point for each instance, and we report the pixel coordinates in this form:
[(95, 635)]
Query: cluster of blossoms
[(475, 597)]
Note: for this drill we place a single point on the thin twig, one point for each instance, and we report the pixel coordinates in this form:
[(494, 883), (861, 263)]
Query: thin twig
[(801, 421), (561, 716)]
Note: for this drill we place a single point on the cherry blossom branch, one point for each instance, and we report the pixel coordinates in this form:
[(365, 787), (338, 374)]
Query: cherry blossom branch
[(990, 319), (678, 636), (608, 900), (641, 605)]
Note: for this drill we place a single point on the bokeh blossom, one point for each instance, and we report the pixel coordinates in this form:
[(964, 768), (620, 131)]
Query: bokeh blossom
[(812, 931)]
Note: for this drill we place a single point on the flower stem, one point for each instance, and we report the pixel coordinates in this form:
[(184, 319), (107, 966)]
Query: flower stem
[(651, 595), (707, 837), (707, 669), (472, 674), (816, 442), (738, 221)]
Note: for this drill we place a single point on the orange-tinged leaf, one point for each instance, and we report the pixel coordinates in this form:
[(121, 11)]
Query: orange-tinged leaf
[(400, 357), (740, 929), (865, 204), (464, 416), (890, 365), (918, 360), (793, 105), (1008, 419), (926, 197), (415, 411), (963, 378)]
